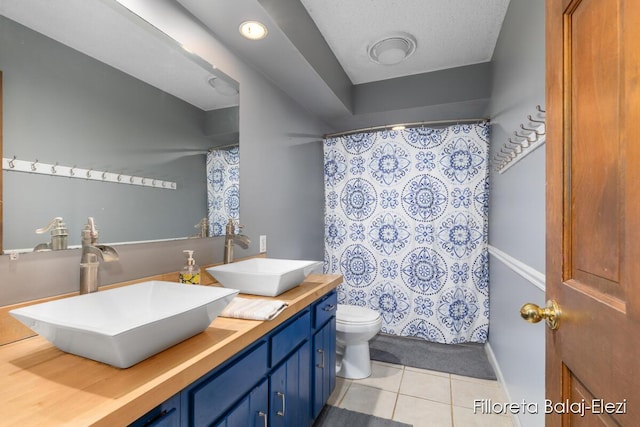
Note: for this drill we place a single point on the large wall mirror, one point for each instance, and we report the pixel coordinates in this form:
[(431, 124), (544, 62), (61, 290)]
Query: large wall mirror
[(96, 88)]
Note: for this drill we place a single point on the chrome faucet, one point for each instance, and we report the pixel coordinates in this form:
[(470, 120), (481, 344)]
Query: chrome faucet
[(59, 233), (92, 254), (231, 238)]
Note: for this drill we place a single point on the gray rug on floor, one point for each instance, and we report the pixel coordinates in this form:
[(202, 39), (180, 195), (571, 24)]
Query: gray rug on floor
[(469, 359), (331, 416)]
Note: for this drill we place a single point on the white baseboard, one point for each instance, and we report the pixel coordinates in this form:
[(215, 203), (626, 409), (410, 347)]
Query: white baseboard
[(496, 367)]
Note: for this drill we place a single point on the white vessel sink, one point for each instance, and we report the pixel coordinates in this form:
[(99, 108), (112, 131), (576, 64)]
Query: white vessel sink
[(264, 276), (125, 325)]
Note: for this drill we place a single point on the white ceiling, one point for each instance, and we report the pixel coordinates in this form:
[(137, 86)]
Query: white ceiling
[(449, 33)]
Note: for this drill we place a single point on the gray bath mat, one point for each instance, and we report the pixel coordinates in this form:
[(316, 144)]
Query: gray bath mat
[(332, 416), (467, 359)]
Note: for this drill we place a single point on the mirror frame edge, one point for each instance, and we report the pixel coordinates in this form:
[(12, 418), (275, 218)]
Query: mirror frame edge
[(1, 171)]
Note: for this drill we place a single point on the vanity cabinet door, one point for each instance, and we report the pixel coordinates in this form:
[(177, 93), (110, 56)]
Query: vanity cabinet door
[(252, 411), (324, 365), (209, 398), (290, 391)]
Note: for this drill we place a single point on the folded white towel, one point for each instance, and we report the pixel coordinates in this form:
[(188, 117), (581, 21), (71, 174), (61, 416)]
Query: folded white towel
[(253, 309)]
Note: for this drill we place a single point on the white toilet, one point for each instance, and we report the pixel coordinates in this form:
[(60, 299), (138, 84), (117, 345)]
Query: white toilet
[(355, 326)]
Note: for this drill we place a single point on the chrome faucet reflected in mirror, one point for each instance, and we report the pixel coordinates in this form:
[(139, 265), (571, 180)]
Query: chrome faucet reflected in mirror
[(59, 235), (232, 238), (92, 254)]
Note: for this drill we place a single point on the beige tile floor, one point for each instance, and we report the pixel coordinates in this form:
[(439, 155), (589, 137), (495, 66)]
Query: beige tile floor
[(420, 397)]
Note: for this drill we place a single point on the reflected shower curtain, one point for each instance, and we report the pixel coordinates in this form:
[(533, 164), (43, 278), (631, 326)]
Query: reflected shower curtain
[(223, 184), (406, 225)]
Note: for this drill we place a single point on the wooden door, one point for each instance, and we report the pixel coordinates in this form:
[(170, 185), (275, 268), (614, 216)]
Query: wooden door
[(593, 211)]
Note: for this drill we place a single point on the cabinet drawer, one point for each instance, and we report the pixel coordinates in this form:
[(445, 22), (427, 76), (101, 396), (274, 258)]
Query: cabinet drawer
[(324, 309), (288, 338), (212, 398)]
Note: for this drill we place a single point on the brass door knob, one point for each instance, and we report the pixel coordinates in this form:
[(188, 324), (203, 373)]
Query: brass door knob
[(533, 313)]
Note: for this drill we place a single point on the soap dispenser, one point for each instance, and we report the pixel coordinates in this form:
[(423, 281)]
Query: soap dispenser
[(190, 274), (59, 234)]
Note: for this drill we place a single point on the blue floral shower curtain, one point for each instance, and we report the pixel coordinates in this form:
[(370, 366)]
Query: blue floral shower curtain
[(223, 195), (406, 225)]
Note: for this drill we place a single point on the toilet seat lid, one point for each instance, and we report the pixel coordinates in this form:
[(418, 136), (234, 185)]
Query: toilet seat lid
[(354, 314)]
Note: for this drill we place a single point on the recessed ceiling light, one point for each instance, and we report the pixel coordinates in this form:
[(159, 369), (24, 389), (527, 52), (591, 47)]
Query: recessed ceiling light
[(253, 30), (392, 49)]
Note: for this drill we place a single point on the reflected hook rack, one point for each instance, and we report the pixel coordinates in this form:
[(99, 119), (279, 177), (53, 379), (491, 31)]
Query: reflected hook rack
[(75, 172)]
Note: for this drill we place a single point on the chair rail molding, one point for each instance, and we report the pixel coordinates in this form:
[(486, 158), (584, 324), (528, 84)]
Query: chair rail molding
[(529, 273)]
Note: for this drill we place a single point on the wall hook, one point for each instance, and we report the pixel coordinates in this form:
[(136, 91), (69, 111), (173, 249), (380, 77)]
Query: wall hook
[(89, 173), (540, 109), (71, 172), (531, 119), (523, 144), (34, 165), (511, 154), (53, 168), (517, 148), (526, 136), (12, 163)]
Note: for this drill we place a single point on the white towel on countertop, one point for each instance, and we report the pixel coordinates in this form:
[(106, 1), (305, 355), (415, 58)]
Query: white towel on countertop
[(253, 308)]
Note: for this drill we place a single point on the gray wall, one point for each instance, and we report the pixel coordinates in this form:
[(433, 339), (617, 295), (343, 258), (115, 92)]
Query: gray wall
[(281, 196), (517, 207)]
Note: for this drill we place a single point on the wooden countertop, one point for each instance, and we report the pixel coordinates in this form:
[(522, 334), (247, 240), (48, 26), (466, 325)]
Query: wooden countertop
[(43, 386)]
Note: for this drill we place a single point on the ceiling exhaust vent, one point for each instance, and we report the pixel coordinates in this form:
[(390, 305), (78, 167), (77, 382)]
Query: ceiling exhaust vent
[(393, 49)]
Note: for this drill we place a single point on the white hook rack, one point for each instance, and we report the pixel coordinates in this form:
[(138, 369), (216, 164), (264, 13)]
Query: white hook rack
[(56, 169), (531, 135)]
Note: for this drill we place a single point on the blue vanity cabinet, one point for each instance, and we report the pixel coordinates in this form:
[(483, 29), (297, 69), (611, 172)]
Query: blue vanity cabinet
[(281, 380), (324, 365), (209, 398), (252, 411), (324, 351), (290, 390)]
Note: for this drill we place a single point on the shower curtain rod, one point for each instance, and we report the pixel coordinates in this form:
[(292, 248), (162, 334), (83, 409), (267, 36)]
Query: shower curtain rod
[(408, 125), (222, 147)]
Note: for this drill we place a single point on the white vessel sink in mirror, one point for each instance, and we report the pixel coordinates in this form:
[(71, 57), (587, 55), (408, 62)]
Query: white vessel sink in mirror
[(264, 276), (126, 325)]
